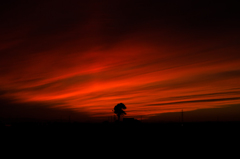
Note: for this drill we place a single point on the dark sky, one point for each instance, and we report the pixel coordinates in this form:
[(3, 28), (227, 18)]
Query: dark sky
[(83, 57)]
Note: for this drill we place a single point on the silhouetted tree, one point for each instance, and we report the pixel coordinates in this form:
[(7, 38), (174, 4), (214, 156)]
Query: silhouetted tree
[(118, 109)]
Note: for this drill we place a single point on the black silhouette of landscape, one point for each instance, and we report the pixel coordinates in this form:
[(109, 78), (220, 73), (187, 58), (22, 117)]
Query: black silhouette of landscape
[(178, 123)]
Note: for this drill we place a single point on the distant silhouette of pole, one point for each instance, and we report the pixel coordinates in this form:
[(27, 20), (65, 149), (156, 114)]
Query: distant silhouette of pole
[(182, 117)]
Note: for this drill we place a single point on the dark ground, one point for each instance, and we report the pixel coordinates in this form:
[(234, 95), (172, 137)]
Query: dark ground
[(117, 130), (103, 139)]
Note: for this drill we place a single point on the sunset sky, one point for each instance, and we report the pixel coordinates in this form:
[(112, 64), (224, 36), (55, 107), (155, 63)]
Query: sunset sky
[(80, 58)]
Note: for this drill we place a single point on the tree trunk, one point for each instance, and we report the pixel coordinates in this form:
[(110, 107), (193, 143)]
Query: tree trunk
[(118, 117)]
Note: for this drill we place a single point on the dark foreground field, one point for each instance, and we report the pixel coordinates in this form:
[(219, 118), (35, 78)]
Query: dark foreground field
[(118, 138), (119, 130)]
